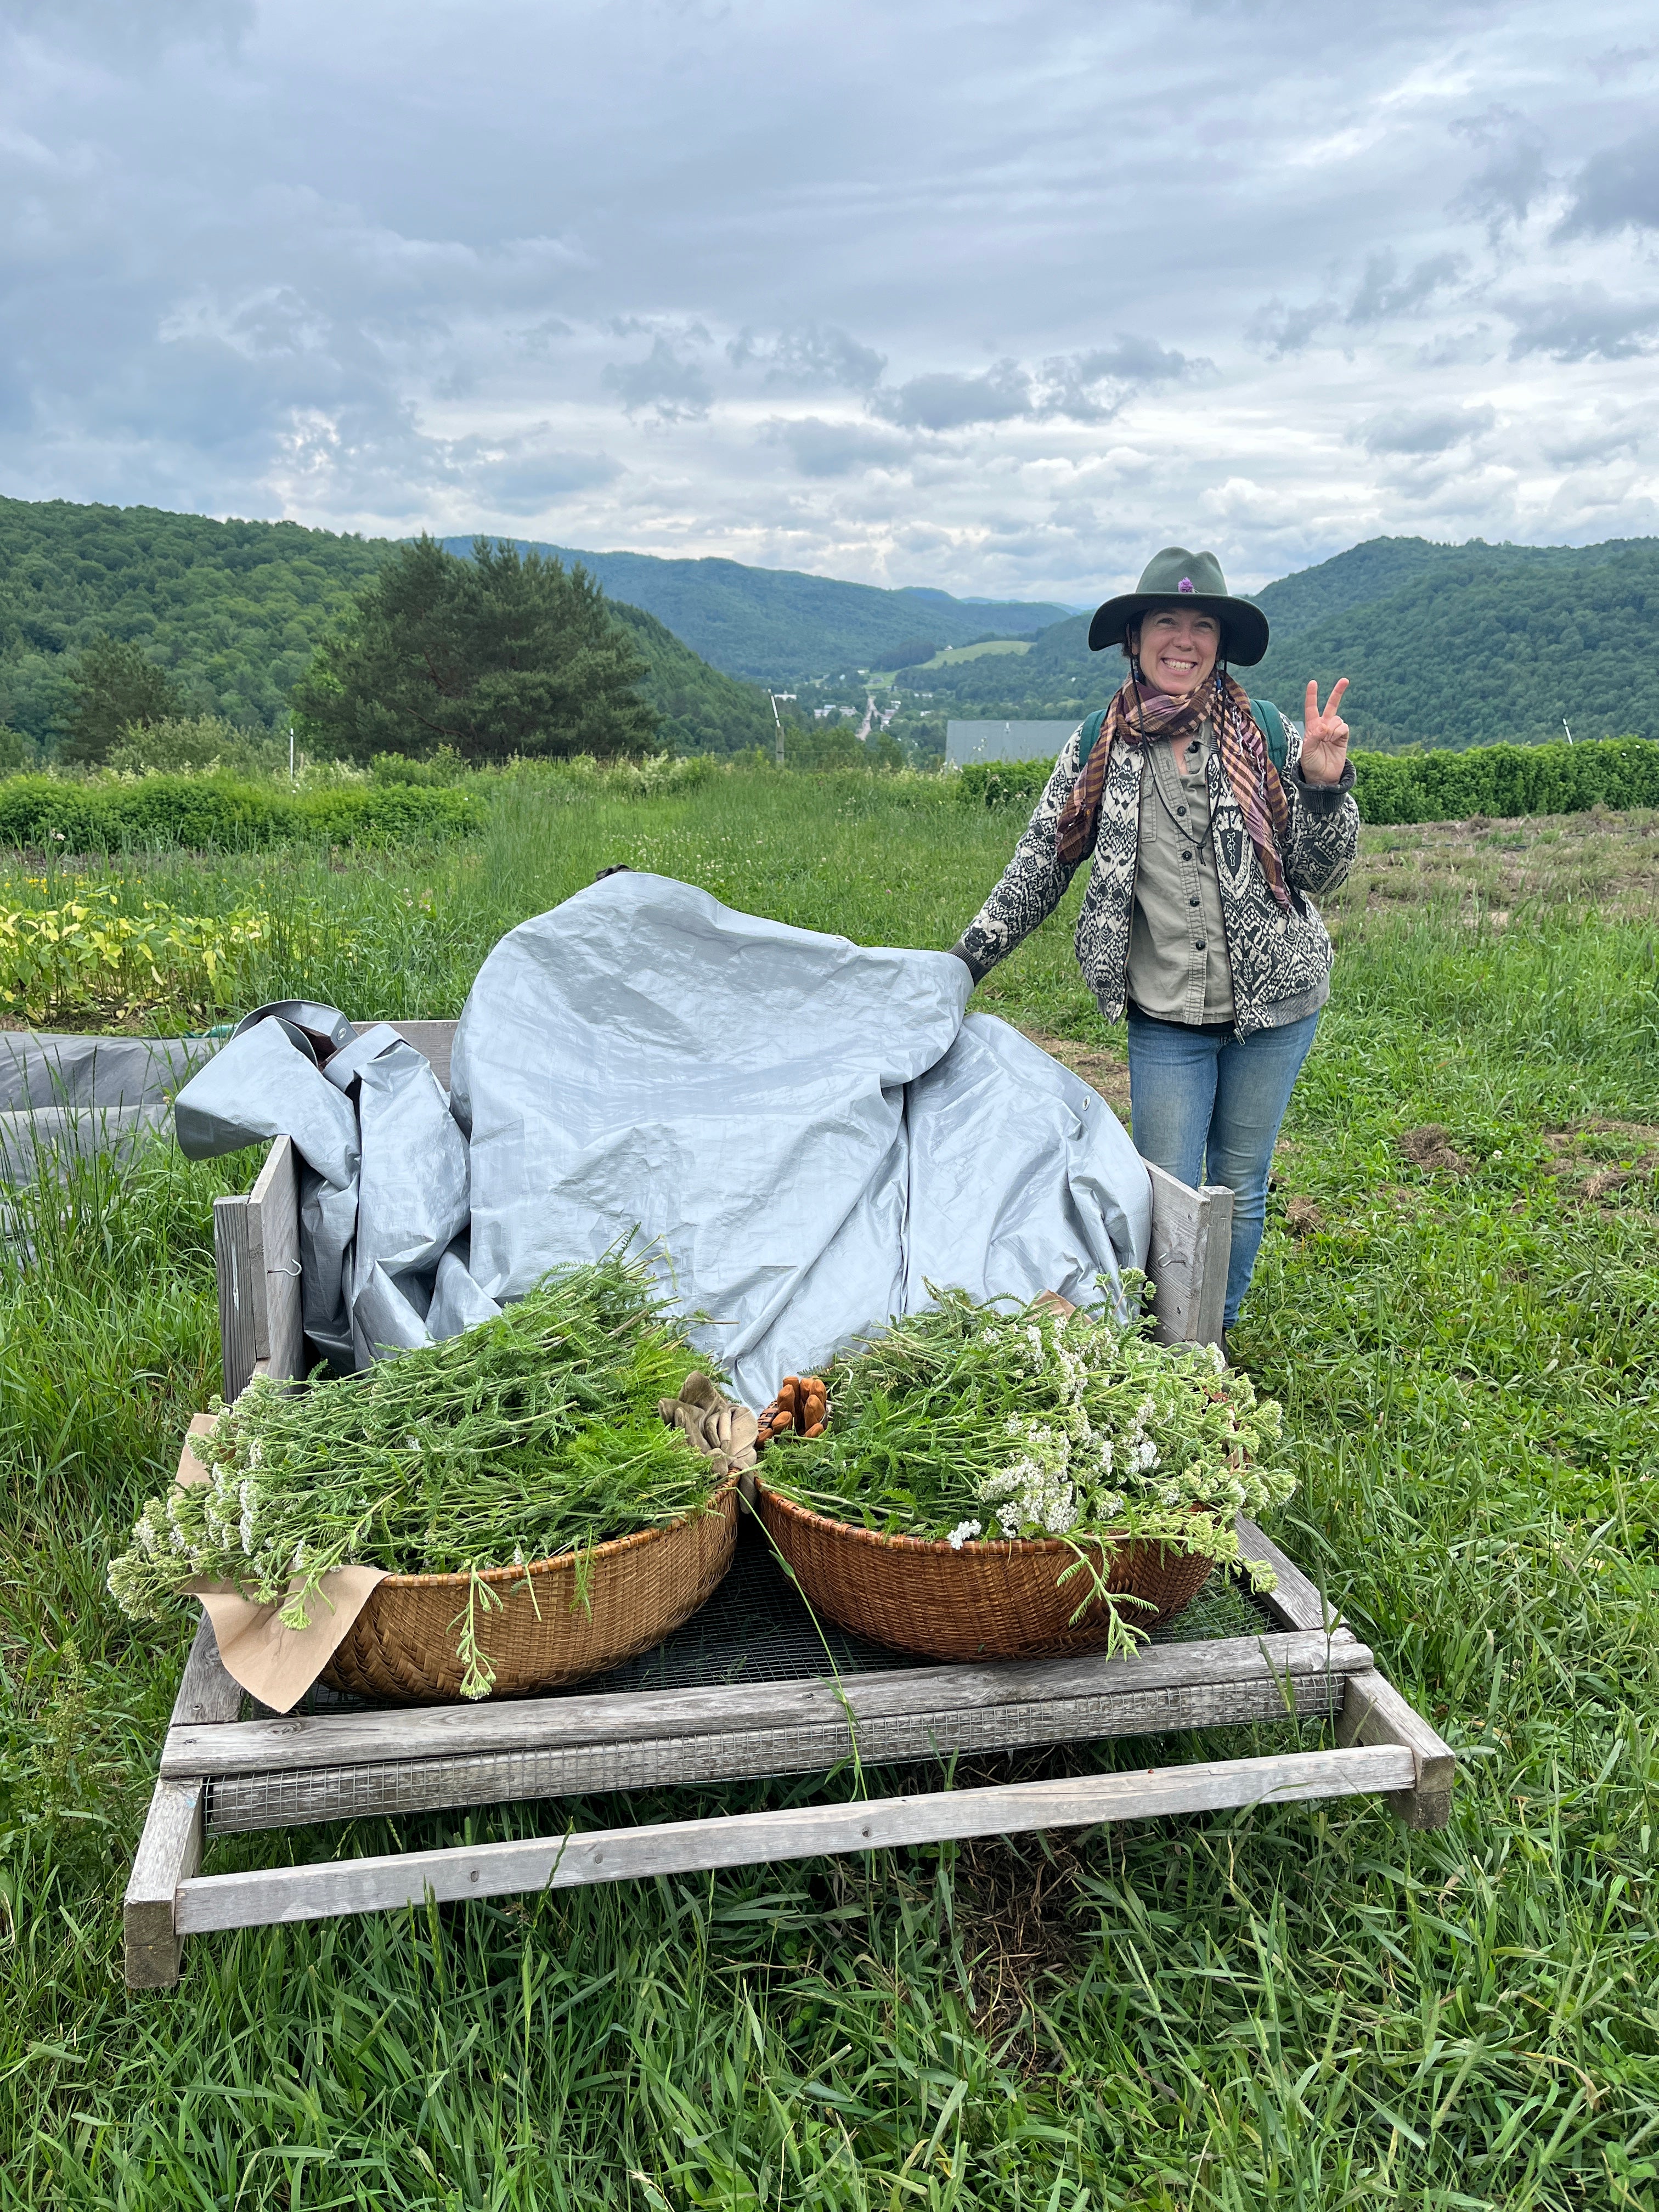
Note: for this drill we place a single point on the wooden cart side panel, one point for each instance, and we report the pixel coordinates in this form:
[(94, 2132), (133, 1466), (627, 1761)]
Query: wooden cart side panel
[(245, 1802), (261, 1897), (208, 1696), (273, 1209), (1187, 1258), (1373, 1712), (238, 1325), (1300, 1603), (614, 1719)]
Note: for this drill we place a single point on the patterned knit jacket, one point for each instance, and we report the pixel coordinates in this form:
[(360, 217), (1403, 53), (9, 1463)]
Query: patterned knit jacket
[(1280, 960)]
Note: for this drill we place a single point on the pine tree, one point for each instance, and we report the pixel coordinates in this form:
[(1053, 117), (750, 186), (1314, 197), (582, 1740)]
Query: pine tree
[(496, 656)]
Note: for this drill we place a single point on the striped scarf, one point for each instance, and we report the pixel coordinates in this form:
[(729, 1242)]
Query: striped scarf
[(1140, 715)]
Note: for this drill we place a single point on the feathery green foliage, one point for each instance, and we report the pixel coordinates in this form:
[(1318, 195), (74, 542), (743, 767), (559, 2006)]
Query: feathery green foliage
[(970, 1420)]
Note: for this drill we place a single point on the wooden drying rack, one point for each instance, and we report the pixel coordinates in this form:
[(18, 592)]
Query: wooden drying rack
[(221, 1773)]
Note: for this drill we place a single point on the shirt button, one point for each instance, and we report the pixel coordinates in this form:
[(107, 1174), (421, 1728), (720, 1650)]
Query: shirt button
[(1186, 856), (1192, 901), (1181, 810), (1198, 944)]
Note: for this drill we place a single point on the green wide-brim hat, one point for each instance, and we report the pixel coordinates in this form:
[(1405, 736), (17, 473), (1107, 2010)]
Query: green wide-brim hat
[(1176, 577)]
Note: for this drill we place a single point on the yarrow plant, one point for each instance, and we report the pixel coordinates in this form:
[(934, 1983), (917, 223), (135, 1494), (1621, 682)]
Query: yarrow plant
[(529, 1436), (975, 1422)]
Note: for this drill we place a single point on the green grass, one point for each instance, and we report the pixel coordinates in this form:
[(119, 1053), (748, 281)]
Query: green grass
[(1304, 2007)]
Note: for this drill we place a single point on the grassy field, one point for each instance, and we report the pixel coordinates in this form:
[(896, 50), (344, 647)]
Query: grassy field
[(1458, 1303)]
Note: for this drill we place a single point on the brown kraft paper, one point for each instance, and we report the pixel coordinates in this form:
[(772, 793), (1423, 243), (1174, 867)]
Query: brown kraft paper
[(276, 1665)]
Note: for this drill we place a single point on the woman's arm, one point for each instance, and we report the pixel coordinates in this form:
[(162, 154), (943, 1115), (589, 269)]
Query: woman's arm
[(1033, 883), (1323, 834)]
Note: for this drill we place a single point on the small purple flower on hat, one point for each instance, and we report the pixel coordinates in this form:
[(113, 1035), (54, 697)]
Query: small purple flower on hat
[(1185, 585)]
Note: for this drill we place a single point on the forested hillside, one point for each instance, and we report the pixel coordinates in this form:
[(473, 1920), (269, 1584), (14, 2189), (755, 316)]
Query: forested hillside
[(1444, 645), (235, 611), (778, 624)]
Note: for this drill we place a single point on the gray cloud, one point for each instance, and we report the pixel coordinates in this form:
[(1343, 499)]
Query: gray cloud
[(1513, 177), (1583, 324), (1617, 187), (1431, 431), (810, 356), (948, 401), (671, 386), (1384, 293), (1093, 387), (819, 448), (1283, 331), (233, 278)]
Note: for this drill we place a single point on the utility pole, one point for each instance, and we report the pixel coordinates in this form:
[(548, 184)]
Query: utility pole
[(778, 721)]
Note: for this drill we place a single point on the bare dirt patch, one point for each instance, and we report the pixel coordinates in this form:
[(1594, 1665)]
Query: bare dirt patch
[(1595, 1159), (1103, 1070), (1302, 1217), (1431, 1148)]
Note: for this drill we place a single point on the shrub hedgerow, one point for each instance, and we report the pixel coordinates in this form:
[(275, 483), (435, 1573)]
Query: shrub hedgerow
[(220, 813), (1507, 780), (1442, 786)]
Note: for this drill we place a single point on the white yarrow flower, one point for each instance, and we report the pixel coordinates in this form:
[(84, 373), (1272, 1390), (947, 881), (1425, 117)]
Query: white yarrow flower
[(961, 1532)]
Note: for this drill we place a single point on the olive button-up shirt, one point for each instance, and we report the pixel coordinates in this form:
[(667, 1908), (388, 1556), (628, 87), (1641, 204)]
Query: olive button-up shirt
[(1178, 967)]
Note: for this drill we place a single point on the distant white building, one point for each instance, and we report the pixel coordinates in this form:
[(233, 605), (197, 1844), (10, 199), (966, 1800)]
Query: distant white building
[(1004, 741)]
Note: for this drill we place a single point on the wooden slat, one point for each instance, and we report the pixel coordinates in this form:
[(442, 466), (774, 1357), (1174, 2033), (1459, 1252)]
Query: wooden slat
[(1294, 1600), (238, 1321), (208, 1696), (301, 1741), (274, 1260), (436, 1040), (169, 1851), (239, 1803), (1187, 1258), (260, 1898), (1373, 1712)]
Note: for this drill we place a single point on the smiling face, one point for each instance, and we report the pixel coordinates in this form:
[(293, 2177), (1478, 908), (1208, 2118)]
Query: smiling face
[(1177, 647)]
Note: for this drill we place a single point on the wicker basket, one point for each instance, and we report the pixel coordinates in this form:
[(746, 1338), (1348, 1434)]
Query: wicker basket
[(982, 1601), (402, 1644)]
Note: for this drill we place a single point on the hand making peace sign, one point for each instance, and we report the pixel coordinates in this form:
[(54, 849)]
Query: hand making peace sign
[(1324, 736)]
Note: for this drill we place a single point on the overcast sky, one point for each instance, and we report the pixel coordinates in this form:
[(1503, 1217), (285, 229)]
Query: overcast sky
[(999, 297)]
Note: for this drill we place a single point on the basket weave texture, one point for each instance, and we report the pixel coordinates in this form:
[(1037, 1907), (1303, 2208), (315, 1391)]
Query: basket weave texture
[(983, 1601), (402, 1643)]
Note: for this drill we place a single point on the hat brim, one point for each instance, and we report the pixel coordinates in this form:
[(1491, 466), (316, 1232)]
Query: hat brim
[(1243, 627)]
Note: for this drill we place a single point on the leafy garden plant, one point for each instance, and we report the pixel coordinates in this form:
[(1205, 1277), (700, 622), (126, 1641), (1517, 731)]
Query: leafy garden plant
[(974, 1422), (525, 1438)]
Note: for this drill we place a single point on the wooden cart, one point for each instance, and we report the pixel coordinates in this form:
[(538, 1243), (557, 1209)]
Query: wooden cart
[(678, 1716)]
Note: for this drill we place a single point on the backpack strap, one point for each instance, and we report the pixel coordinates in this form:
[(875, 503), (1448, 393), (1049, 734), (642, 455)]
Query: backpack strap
[(1271, 723), (1086, 742)]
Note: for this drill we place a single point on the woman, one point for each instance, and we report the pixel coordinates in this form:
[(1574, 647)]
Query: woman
[(1195, 921)]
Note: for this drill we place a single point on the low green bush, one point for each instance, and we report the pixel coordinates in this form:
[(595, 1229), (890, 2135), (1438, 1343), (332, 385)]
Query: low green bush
[(1004, 783), (1507, 780), (1443, 786), (207, 813)]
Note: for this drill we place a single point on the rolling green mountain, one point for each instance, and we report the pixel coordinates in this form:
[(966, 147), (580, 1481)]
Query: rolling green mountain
[(1443, 645), (232, 609), (234, 612), (777, 625)]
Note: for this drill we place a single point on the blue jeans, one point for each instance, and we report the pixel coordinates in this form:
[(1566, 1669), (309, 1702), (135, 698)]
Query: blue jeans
[(1207, 1107)]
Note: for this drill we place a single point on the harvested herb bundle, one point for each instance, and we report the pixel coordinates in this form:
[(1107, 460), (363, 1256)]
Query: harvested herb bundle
[(532, 1435), (972, 1422)]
